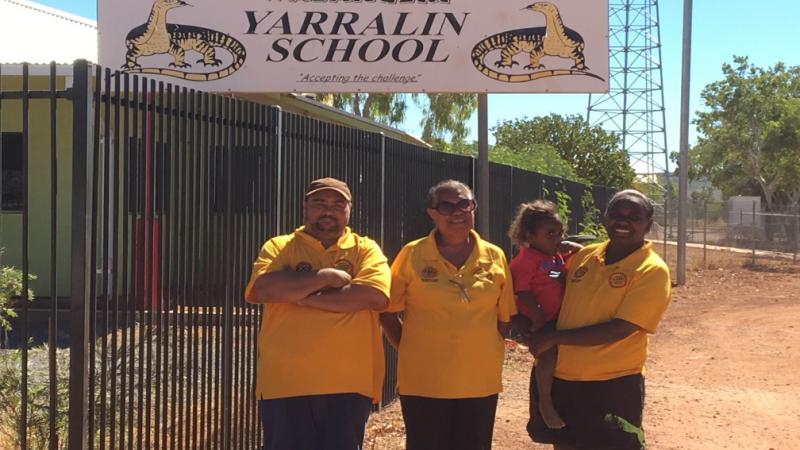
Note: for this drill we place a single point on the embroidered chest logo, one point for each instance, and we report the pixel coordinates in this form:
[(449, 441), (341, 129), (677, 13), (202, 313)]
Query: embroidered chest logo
[(429, 273), (303, 267), (344, 265), (579, 274), (482, 274), (618, 280)]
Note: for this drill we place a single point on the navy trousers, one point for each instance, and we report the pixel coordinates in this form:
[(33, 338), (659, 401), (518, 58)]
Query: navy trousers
[(315, 422)]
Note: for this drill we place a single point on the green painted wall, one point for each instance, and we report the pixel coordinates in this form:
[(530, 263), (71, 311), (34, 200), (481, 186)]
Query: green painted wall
[(39, 185)]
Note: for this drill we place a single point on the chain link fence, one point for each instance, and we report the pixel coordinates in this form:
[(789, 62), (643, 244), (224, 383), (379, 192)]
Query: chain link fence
[(741, 223)]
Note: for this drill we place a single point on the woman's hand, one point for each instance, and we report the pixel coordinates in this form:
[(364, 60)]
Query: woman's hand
[(567, 247), (542, 342)]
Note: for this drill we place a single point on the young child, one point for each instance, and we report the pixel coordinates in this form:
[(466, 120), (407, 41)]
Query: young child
[(537, 230)]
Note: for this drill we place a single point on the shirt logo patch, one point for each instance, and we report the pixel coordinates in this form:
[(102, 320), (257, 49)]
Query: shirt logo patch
[(618, 280), (579, 273), (344, 265), (429, 273), (482, 274), (303, 267)]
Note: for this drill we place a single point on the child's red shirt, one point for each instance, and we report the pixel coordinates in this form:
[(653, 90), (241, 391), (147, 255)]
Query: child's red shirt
[(540, 274)]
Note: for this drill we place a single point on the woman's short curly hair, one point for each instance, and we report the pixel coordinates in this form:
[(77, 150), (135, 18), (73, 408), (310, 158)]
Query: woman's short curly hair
[(529, 217), (446, 185)]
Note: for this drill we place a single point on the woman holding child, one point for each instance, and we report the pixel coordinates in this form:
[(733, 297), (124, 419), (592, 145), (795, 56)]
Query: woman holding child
[(615, 295), (454, 291)]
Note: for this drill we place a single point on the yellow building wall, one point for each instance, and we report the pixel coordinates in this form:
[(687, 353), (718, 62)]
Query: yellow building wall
[(39, 186)]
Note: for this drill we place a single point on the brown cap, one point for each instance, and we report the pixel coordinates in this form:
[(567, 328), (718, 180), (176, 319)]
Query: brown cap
[(329, 183)]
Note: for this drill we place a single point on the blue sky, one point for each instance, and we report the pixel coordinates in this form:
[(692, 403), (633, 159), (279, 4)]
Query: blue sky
[(766, 31)]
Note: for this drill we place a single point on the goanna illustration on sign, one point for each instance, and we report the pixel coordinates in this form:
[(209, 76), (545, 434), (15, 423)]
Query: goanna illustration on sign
[(159, 37), (553, 39)]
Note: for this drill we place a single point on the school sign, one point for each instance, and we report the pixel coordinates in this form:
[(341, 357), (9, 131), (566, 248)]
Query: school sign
[(361, 45)]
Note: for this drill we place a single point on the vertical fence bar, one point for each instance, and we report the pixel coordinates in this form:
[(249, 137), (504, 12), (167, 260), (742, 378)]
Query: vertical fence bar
[(53, 322), (81, 240), (23, 413), (205, 385), (140, 243), (195, 242), (106, 154), (149, 271), (796, 233), (383, 187), (279, 199), (158, 291), (755, 230), (92, 266), (125, 251), (705, 234), (227, 351), (114, 261)]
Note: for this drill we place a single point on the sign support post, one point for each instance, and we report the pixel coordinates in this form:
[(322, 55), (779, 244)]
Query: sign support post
[(483, 164)]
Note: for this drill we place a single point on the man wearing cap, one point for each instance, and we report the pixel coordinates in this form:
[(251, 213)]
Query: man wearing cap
[(320, 361)]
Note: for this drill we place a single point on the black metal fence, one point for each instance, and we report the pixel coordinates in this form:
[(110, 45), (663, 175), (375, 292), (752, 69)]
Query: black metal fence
[(141, 207)]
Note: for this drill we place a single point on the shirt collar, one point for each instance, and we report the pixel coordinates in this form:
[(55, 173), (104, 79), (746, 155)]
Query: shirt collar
[(431, 253), (638, 255), (346, 240)]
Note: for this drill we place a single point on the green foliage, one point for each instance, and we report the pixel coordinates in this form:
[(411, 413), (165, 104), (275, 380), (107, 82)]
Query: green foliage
[(444, 116), (592, 222), (749, 141), (388, 109), (539, 158), (594, 155), (38, 423), (10, 286), (562, 200)]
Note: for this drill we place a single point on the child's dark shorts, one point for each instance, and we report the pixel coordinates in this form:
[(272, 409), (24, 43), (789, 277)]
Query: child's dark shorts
[(600, 415)]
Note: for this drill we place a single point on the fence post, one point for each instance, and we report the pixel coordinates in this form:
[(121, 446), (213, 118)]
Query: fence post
[(383, 187), (666, 221), (229, 111), (81, 302), (279, 186), (755, 230), (705, 233), (796, 232)]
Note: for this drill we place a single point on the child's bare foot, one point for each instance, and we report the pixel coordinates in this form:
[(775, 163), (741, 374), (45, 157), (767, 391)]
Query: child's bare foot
[(550, 416)]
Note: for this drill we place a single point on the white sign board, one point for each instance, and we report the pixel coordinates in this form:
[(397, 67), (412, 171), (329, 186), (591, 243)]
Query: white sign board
[(361, 45)]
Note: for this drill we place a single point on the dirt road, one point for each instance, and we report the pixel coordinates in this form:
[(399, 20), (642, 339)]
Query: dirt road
[(723, 372)]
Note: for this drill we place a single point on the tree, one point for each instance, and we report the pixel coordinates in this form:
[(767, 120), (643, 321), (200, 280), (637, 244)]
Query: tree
[(592, 153), (444, 116), (541, 158), (748, 140)]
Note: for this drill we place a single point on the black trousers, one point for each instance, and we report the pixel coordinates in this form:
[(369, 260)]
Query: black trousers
[(448, 424), (600, 415), (315, 422)]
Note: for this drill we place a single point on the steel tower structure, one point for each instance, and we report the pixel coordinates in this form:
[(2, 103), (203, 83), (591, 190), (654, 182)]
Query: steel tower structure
[(634, 106)]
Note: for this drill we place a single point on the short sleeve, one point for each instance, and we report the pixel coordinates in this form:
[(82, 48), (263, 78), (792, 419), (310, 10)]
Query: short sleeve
[(374, 270), (522, 272), (270, 259), (647, 298), (400, 280), (506, 306)]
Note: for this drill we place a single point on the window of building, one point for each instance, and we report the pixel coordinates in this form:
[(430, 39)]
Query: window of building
[(12, 154)]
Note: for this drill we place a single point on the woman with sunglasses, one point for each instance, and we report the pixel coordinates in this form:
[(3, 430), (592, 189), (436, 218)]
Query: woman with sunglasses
[(450, 305)]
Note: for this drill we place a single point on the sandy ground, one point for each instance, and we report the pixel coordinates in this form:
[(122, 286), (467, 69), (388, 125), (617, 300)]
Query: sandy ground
[(722, 374)]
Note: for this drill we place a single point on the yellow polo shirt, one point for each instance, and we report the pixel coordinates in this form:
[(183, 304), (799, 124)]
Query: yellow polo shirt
[(450, 347), (635, 289), (307, 351)]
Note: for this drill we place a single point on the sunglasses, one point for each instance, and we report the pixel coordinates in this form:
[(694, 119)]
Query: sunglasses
[(449, 208)]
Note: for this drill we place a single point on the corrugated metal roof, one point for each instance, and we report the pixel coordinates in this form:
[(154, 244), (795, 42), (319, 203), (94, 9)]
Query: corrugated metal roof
[(35, 33)]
